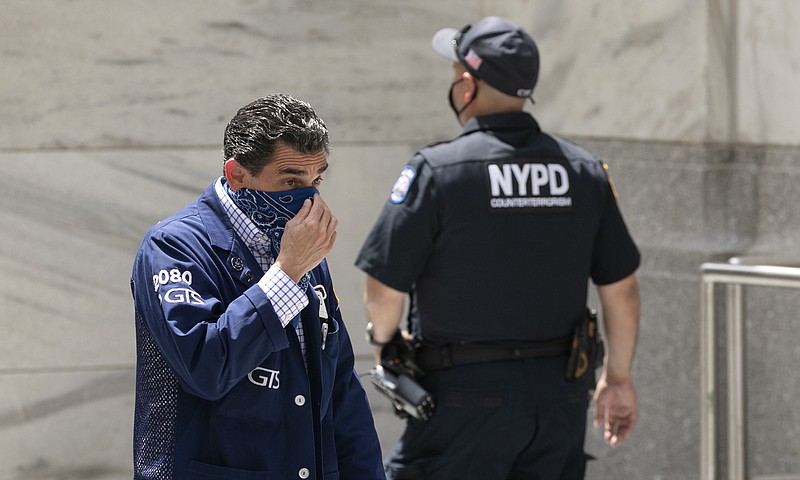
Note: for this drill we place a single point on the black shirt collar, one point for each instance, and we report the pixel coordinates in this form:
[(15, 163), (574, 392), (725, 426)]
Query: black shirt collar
[(501, 121)]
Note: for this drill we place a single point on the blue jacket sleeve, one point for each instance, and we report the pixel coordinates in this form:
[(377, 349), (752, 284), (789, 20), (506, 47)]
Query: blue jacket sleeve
[(357, 444), (211, 329)]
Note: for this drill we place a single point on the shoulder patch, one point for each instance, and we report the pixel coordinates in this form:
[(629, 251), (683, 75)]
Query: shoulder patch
[(403, 184)]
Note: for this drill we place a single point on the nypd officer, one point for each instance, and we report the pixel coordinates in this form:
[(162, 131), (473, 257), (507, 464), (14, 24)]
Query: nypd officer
[(494, 235), (244, 365)]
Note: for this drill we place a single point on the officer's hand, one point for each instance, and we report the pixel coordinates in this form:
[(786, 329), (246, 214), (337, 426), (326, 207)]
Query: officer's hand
[(307, 238), (407, 336), (615, 410)]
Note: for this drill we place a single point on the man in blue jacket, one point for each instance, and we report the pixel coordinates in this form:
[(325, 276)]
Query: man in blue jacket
[(244, 365)]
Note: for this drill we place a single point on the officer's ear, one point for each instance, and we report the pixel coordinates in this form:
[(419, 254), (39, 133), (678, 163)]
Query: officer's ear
[(235, 174), (470, 86)]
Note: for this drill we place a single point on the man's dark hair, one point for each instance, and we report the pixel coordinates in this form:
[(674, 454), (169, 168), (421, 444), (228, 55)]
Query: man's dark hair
[(253, 133)]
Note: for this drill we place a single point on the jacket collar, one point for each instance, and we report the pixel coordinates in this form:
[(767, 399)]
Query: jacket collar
[(215, 219), (501, 121), (239, 262)]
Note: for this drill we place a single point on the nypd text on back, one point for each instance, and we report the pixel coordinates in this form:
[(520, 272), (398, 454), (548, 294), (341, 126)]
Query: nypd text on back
[(533, 186)]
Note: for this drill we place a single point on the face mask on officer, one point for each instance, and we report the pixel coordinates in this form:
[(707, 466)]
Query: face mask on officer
[(455, 110)]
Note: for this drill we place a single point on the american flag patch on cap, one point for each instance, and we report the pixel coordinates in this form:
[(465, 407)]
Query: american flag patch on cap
[(473, 60)]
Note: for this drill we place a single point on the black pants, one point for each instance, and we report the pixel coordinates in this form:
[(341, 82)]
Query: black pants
[(497, 421)]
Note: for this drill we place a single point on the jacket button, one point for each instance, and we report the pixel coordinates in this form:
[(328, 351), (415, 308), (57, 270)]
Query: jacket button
[(300, 401), (303, 473)]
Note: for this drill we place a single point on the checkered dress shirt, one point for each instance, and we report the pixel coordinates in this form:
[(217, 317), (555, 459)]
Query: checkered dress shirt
[(287, 297)]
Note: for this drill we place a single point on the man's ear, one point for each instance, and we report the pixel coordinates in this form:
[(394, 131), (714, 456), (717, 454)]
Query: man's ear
[(235, 174)]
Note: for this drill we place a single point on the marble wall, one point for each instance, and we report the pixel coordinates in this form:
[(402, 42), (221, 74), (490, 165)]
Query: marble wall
[(678, 71), (111, 117)]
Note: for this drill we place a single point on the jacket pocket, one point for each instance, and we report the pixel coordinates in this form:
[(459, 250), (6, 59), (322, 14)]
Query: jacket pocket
[(332, 337), (244, 404), (205, 471)]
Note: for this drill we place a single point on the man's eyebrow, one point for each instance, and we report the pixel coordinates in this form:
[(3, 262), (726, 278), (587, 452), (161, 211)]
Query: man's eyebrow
[(291, 171), (299, 172)]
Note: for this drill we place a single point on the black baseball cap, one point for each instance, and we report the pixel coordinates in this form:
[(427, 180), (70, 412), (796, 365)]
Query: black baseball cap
[(495, 50)]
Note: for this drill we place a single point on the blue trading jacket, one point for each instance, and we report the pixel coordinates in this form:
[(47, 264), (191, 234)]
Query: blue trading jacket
[(222, 391)]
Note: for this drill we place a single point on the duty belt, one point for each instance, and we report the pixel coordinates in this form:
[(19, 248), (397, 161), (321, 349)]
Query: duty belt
[(432, 357)]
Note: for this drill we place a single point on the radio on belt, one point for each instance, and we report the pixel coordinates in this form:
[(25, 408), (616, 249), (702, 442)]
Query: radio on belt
[(407, 396)]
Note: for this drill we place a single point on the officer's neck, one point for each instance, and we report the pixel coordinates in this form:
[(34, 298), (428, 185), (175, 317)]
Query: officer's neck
[(491, 103)]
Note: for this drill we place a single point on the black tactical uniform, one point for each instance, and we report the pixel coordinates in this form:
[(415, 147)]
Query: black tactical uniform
[(496, 234)]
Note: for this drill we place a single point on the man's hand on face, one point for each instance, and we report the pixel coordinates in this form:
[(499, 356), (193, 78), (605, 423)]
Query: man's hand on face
[(307, 238)]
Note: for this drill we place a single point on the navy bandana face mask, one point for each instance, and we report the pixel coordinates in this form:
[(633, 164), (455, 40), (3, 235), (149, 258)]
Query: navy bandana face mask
[(270, 211)]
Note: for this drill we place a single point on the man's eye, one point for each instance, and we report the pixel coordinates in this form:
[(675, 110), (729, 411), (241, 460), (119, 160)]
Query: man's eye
[(290, 183), (317, 180)]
